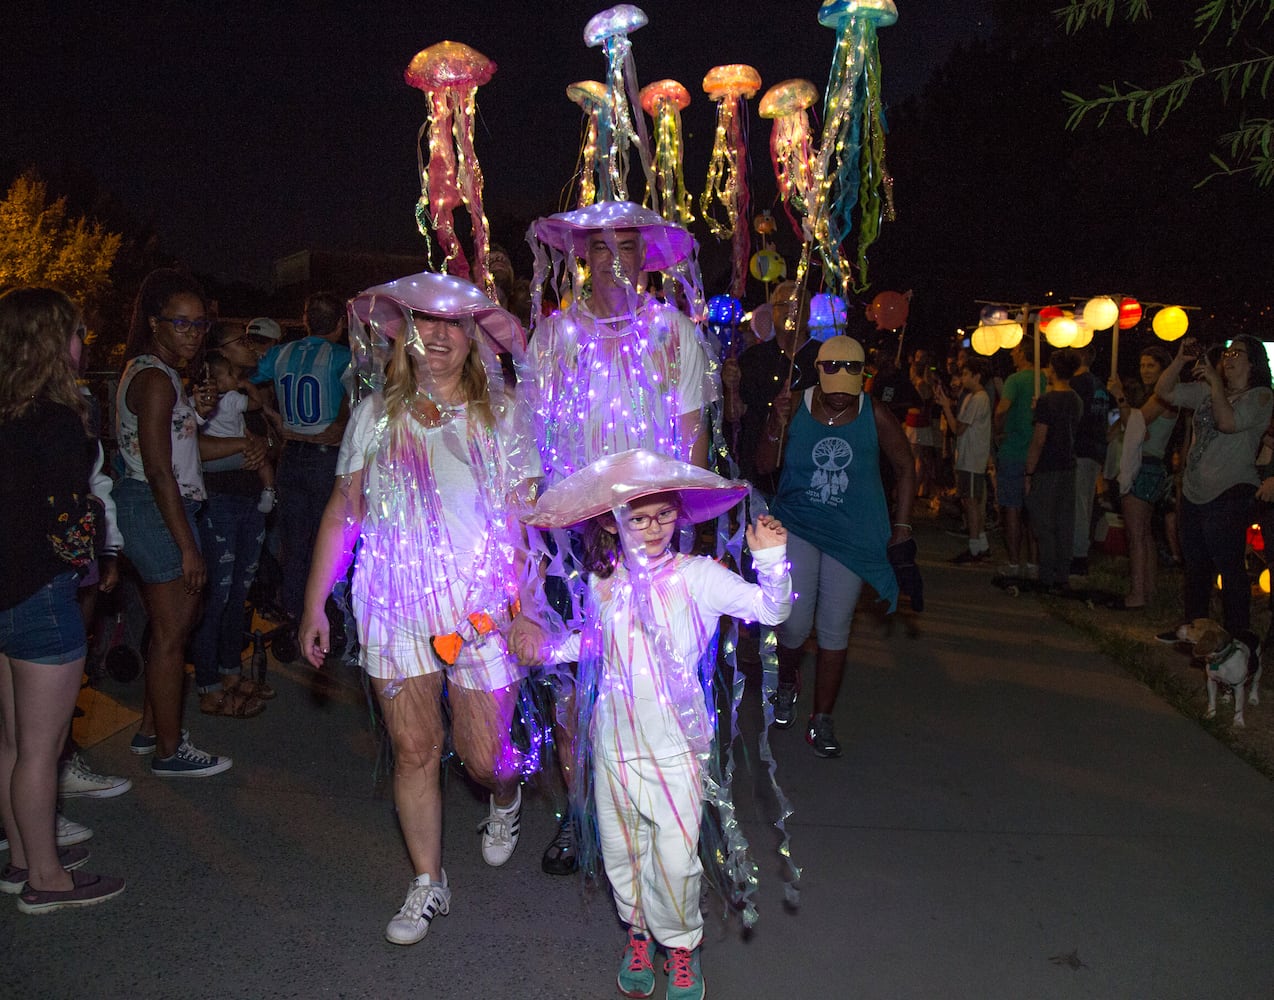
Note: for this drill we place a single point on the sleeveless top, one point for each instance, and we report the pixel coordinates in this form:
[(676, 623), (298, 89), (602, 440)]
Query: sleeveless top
[(187, 469), (831, 495)]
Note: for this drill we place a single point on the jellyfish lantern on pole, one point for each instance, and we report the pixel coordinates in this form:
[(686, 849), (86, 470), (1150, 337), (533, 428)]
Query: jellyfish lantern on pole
[(664, 100), (449, 74), (618, 127), (792, 145), (591, 98), (849, 169), (731, 87)]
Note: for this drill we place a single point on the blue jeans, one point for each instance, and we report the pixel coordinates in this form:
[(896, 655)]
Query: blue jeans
[(45, 627), (306, 476), (1214, 540), (231, 530)]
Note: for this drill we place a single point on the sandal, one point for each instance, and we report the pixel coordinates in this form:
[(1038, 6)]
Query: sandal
[(231, 704), (254, 689)]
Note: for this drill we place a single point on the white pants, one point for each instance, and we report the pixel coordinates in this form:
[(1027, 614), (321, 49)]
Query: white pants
[(648, 814)]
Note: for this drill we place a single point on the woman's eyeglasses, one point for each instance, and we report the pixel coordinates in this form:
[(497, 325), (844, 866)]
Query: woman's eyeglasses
[(640, 522), (832, 367), (1234, 352), (182, 325)]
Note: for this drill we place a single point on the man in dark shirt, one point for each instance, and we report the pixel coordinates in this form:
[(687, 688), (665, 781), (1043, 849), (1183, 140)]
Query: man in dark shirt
[(1090, 453)]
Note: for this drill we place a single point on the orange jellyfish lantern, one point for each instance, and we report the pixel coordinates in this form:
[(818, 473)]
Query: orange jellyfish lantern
[(449, 74), (591, 97), (664, 101), (792, 144), (619, 128), (730, 87)]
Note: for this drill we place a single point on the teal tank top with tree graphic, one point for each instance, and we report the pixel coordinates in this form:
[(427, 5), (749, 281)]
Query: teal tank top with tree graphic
[(831, 495)]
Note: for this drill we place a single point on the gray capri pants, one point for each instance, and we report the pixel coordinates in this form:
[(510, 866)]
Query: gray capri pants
[(824, 594)]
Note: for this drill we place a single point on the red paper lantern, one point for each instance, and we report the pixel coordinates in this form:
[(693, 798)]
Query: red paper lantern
[(1050, 313), (1255, 540), (1129, 313)]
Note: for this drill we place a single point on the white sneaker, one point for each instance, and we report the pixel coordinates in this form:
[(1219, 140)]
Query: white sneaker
[(70, 832), (77, 779), (500, 831), (425, 900), (268, 499)]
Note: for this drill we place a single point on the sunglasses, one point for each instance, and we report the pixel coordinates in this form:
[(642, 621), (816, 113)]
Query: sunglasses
[(832, 367), (1234, 352)]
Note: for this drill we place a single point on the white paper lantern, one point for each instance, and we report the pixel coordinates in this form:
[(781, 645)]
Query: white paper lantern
[(1010, 335), (1101, 313), (1083, 334), (985, 340), (1062, 332)]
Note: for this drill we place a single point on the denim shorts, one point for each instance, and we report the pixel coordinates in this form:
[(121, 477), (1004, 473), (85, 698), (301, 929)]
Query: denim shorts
[(1010, 483), (46, 627), (148, 543)]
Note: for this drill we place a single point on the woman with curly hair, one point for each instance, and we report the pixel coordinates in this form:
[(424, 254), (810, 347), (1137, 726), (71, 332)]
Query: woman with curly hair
[(46, 542)]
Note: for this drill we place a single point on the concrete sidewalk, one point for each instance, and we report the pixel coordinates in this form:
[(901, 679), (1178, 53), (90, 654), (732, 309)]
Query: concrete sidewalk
[(1013, 818)]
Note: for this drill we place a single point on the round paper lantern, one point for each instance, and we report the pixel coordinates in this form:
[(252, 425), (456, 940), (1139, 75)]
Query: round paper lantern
[(1170, 323), (985, 340), (1083, 334), (1010, 335), (1062, 332), (1255, 541), (1129, 313), (891, 310), (1265, 581), (1048, 314), (1101, 313), (767, 266)]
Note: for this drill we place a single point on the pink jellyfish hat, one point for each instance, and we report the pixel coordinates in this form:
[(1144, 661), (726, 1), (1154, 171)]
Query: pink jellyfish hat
[(667, 244), (382, 308), (625, 478)]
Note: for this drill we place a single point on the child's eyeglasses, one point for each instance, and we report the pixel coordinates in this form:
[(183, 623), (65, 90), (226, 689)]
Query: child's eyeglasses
[(181, 324), (832, 367), (640, 522)]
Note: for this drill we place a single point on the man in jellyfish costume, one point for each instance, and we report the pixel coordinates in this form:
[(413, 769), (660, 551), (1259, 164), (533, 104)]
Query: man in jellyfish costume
[(615, 369)]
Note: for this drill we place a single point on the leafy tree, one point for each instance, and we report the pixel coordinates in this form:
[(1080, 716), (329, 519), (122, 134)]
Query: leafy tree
[(1240, 68), (40, 244)]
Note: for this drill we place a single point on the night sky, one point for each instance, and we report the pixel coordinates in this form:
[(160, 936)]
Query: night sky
[(249, 131)]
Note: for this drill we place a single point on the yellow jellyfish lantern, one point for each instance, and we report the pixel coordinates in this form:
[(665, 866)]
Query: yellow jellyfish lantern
[(664, 100), (591, 98), (449, 74), (618, 127), (791, 144), (730, 87)]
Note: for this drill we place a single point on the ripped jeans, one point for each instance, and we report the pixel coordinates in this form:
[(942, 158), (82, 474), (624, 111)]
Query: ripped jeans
[(231, 531)]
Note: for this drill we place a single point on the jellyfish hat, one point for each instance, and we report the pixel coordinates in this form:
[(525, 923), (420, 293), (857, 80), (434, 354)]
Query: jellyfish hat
[(449, 74), (664, 101), (850, 167), (792, 144), (730, 87), (591, 98), (618, 127)]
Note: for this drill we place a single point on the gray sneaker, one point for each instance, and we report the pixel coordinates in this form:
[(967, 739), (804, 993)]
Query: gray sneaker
[(821, 735), (78, 779)]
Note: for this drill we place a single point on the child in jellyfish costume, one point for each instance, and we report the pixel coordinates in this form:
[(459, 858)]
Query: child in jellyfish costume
[(646, 705), (430, 478)]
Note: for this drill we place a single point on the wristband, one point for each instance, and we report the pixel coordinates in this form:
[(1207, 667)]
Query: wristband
[(899, 524)]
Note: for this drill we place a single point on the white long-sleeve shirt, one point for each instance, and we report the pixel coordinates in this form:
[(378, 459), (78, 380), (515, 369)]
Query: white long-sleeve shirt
[(644, 701)]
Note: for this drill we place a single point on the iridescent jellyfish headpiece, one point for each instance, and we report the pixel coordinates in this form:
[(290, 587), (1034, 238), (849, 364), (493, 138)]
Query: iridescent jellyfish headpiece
[(664, 100), (731, 87), (853, 134), (792, 144), (449, 74), (560, 241), (383, 315), (618, 127), (591, 98)]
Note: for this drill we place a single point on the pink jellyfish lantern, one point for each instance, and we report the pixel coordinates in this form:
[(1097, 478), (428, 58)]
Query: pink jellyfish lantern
[(849, 170), (449, 74), (618, 127), (792, 144), (591, 98), (730, 87), (664, 101)]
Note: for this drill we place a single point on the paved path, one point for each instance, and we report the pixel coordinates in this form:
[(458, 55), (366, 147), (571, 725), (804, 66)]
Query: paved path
[(1013, 818)]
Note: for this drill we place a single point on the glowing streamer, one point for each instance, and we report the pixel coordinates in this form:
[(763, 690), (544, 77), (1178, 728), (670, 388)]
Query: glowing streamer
[(619, 128), (664, 101), (730, 87), (591, 98), (850, 167), (449, 74), (792, 145)]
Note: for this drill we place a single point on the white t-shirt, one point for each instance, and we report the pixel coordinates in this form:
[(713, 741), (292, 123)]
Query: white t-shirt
[(973, 447), (638, 708), (227, 422)]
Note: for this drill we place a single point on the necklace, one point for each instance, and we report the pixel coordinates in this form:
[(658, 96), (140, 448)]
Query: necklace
[(835, 415)]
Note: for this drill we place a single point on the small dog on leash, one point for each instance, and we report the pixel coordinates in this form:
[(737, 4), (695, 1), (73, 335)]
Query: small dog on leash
[(1234, 661)]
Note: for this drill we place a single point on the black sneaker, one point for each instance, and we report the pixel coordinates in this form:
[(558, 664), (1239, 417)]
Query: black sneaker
[(1079, 566), (821, 735), (784, 701), (561, 857)]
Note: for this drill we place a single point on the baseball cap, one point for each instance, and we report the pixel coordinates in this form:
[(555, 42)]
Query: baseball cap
[(265, 327)]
